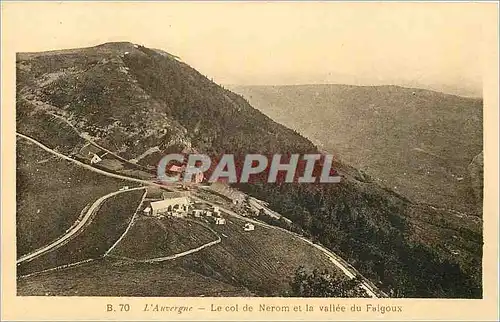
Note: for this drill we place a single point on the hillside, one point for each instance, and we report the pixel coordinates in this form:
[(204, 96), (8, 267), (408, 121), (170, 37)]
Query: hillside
[(261, 261), (116, 279), (51, 195), (129, 99), (416, 142)]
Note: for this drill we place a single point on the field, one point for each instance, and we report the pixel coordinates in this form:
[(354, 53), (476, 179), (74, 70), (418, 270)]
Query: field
[(153, 237), (109, 278), (262, 260), (106, 228), (245, 263), (51, 194)]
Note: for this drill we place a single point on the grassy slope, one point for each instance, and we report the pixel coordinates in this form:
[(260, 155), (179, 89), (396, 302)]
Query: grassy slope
[(47, 129), (94, 89), (109, 223), (51, 194), (162, 237), (109, 278), (364, 224), (262, 260)]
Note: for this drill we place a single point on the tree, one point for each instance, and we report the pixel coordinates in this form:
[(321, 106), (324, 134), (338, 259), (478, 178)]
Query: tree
[(323, 284)]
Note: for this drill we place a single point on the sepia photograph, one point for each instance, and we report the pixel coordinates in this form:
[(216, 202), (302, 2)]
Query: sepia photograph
[(273, 150)]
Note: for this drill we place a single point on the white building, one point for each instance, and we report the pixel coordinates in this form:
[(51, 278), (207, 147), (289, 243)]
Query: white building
[(220, 221), (170, 205), (178, 214), (197, 212), (249, 227), (95, 159)]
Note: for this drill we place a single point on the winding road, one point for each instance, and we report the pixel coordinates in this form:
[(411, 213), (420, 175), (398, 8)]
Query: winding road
[(130, 224), (92, 142), (346, 268), (86, 166), (75, 229)]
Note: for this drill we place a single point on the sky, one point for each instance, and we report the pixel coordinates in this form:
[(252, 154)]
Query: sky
[(436, 45)]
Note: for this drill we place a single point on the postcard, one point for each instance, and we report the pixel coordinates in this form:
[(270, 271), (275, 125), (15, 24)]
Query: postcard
[(249, 161)]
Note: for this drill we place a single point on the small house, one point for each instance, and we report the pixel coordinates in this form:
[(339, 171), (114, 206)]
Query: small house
[(178, 214), (175, 168), (95, 159), (197, 212), (249, 227), (198, 178), (147, 211), (220, 221)]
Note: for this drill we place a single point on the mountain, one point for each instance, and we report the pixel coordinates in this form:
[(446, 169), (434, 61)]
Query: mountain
[(416, 142), (133, 101), (475, 175)]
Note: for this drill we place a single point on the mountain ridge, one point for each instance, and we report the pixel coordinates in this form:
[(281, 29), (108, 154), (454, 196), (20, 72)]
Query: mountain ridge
[(408, 87), (428, 138), (129, 102)]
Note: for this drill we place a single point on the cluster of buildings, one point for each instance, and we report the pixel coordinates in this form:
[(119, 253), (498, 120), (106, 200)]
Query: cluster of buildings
[(211, 213), (178, 204)]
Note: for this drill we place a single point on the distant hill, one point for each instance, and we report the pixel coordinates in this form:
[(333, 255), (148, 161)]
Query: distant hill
[(130, 99), (416, 142)]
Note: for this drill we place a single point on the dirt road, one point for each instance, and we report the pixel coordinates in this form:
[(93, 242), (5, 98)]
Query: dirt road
[(75, 229), (334, 258), (348, 270)]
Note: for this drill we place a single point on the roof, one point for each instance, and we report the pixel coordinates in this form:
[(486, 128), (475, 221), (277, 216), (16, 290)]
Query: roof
[(162, 204), (175, 168)]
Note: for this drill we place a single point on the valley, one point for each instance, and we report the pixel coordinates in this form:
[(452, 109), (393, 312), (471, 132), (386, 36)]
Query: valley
[(82, 247), (107, 114), (416, 142)]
